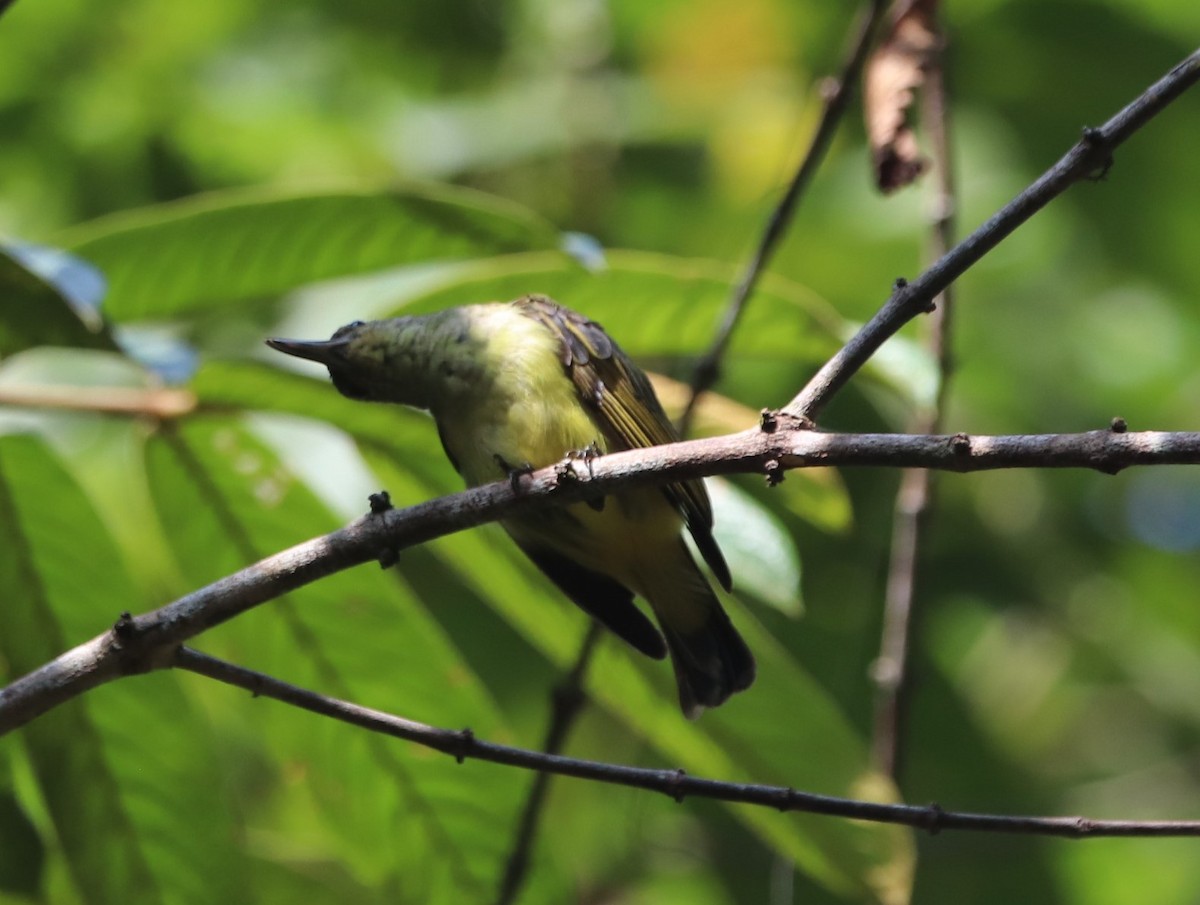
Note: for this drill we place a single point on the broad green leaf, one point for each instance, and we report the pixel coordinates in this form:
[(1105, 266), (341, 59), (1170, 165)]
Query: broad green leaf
[(34, 312), (391, 812), (106, 763), (653, 304), (242, 386), (760, 552), (227, 248)]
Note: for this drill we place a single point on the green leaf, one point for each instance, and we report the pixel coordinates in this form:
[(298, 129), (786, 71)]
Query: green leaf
[(653, 304), (105, 764), (244, 386), (33, 312), (24, 854), (759, 550), (389, 812), (227, 248)]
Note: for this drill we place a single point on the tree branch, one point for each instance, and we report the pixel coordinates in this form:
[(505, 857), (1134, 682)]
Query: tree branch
[(462, 744), (146, 642), (837, 97), (1089, 158)]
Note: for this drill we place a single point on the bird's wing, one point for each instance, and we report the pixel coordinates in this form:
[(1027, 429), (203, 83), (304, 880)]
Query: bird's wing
[(623, 405), (599, 596)]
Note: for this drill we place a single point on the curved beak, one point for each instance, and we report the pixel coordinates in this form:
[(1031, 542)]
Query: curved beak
[(323, 351)]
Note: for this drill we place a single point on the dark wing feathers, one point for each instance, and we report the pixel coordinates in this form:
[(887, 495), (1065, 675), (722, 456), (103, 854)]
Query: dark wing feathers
[(606, 600), (626, 410)]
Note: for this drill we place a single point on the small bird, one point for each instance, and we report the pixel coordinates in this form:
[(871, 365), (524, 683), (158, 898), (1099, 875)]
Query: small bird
[(519, 385)]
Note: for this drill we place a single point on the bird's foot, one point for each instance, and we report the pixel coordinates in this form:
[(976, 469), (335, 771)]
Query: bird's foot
[(587, 455), (514, 472), (565, 471)]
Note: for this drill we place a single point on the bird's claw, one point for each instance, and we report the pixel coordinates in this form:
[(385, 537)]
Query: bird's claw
[(514, 472), (565, 471)]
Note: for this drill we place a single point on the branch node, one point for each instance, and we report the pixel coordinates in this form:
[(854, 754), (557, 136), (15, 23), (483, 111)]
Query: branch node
[(771, 420), (1118, 426), (675, 785), (380, 502), (1100, 151), (773, 472), (961, 444), (1083, 826), (786, 796), (388, 557), (466, 741), (933, 818), (136, 649), (124, 629)]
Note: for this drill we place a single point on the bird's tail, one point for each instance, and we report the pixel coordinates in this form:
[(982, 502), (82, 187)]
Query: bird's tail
[(710, 658)]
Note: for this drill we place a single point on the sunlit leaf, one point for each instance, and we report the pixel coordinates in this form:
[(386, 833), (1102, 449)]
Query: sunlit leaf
[(105, 763), (227, 248), (760, 552), (361, 635), (653, 304)]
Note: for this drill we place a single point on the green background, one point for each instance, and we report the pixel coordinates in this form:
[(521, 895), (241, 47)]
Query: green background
[(239, 169)]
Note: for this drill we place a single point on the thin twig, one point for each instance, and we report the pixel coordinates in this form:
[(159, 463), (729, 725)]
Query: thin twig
[(160, 402), (1089, 158), (915, 495), (837, 97), (462, 744), (566, 704), (138, 644)]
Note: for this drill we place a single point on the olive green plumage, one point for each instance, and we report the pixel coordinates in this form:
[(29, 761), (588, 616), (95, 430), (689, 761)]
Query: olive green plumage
[(522, 384)]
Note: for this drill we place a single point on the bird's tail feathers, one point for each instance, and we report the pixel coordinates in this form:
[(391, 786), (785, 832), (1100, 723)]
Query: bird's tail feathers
[(710, 658)]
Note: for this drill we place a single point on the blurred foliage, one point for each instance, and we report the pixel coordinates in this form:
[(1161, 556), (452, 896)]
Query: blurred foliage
[(238, 169)]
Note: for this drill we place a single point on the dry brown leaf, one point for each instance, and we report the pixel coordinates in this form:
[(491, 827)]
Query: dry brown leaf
[(897, 68)]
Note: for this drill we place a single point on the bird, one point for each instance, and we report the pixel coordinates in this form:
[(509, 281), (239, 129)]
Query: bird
[(514, 386)]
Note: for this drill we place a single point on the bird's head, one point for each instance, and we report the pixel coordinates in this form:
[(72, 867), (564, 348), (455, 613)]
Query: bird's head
[(373, 360)]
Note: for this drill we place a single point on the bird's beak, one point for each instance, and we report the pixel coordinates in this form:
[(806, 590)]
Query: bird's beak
[(322, 351)]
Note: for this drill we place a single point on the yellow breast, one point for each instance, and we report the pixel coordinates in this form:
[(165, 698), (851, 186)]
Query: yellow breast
[(526, 410)]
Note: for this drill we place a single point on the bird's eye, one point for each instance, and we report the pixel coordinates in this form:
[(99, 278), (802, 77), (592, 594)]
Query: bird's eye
[(349, 328)]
